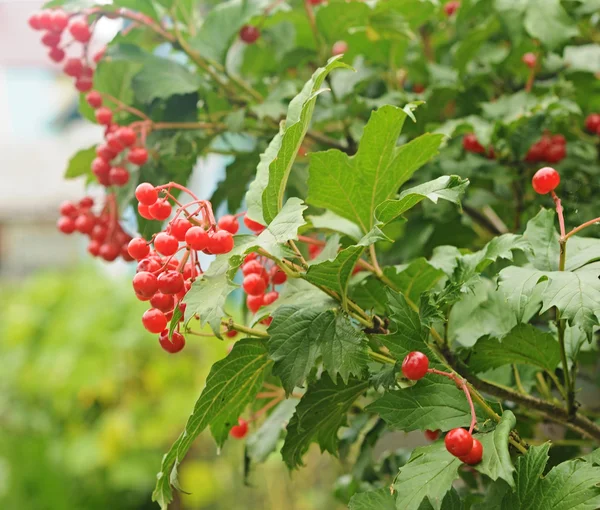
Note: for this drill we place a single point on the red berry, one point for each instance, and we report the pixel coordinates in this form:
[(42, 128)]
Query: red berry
[(137, 156), (175, 344), (220, 242), (415, 365), (471, 144), (170, 282), (84, 223), (154, 320), (229, 223), (138, 248), (105, 152), (163, 302), (45, 19), (126, 136), (146, 194), (113, 142), (66, 225), (545, 180), (254, 302), (277, 276), (196, 238), (251, 256), (94, 248), (432, 435), (59, 20), (253, 225), (270, 297), (556, 153), (592, 122), (68, 209), (254, 285), (231, 333), (80, 31), (34, 21), (118, 176), (314, 250), (240, 430), (100, 167), (149, 264), (84, 84), (94, 99), (160, 210), (86, 202), (451, 7), (339, 47), (530, 60), (99, 233), (104, 116), (144, 212), (109, 251), (145, 284), (253, 267), (73, 67), (459, 442), (475, 455), (249, 34), (56, 55), (179, 227), (51, 39), (98, 56), (166, 244), (558, 140), (536, 153)]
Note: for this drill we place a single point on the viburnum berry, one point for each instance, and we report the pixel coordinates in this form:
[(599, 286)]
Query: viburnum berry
[(179, 227), (160, 210), (451, 7), (99, 55), (56, 55), (229, 223), (253, 267), (110, 251), (145, 283), (173, 345), (240, 430), (278, 277), (254, 302), (166, 244), (530, 60), (144, 212), (59, 20), (154, 320), (51, 39), (105, 152), (232, 333), (138, 156), (73, 67), (196, 238), (545, 180), (471, 144), (162, 302), (432, 435), (146, 194), (113, 142), (459, 442), (45, 20), (80, 31), (84, 223), (270, 297), (138, 248), (254, 285), (66, 225), (415, 365), (220, 242), (170, 282), (149, 264), (253, 225), (99, 233), (126, 136), (118, 176), (94, 248), (104, 116), (34, 21), (68, 209), (475, 455), (249, 34), (592, 122), (94, 99), (556, 153), (339, 47), (86, 202)]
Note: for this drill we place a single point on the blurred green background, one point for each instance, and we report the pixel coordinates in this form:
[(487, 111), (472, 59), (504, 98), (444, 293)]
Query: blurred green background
[(89, 403)]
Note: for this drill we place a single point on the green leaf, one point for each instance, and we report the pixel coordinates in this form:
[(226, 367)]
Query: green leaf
[(429, 473), (319, 415), (353, 187), (230, 386), (183, 10), (161, 78), (115, 77), (263, 442), (373, 500), (233, 188), (292, 133), (543, 237), (529, 472), (449, 188), (525, 344), (81, 163), (522, 290), (583, 58), (554, 28), (451, 501), (332, 222)]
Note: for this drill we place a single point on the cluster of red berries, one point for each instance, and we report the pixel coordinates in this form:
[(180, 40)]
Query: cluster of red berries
[(459, 442), (54, 24), (592, 123), (451, 7), (107, 239), (550, 148), (545, 180), (471, 144), (166, 272), (121, 146), (260, 275)]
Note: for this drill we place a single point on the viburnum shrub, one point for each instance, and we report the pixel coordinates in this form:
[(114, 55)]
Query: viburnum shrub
[(365, 289)]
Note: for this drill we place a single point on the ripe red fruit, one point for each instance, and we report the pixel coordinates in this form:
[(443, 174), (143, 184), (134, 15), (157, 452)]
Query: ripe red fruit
[(99, 233), (530, 60), (73, 67), (84, 223), (196, 238), (170, 282), (145, 284), (220, 242), (66, 225), (166, 244), (249, 34), (277, 276), (68, 209), (175, 344), (94, 99), (113, 142), (51, 39), (45, 20), (144, 212), (126, 136), (163, 302), (253, 267), (56, 55), (150, 264), (104, 116), (270, 297), (84, 84), (253, 225), (154, 320), (545, 180), (137, 156), (240, 430), (105, 152), (229, 223), (231, 333), (99, 55), (339, 47), (556, 153), (138, 248), (179, 227), (86, 202), (475, 455), (432, 435), (415, 365), (118, 176), (100, 167), (459, 442), (59, 20), (94, 248), (80, 31), (254, 302), (146, 194), (592, 122), (471, 144), (254, 285), (109, 251), (160, 210), (451, 7), (34, 21)]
